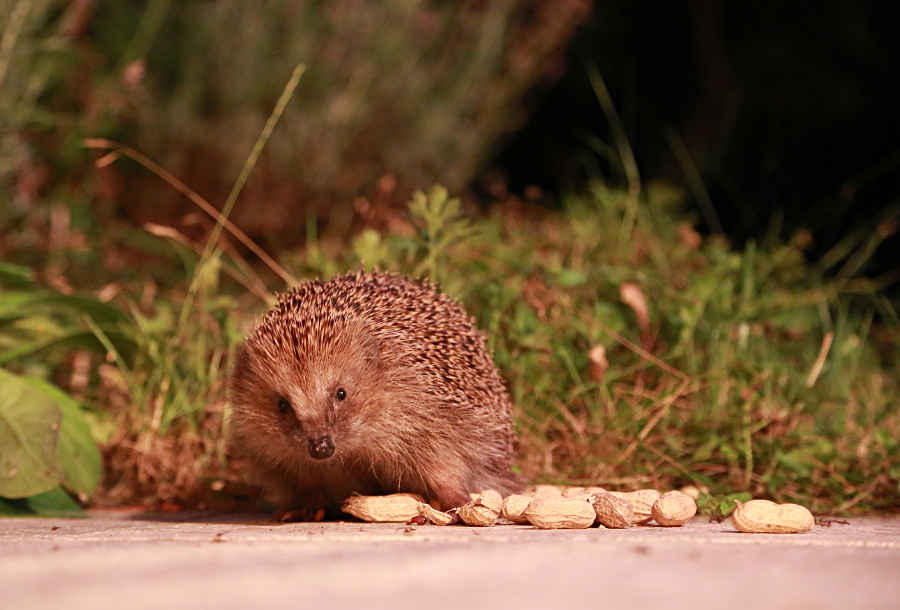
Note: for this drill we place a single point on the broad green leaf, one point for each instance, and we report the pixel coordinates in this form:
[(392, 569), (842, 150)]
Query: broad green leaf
[(53, 503), (79, 456), (29, 429), (14, 508)]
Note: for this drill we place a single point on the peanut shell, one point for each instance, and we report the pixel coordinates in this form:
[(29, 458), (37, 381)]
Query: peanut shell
[(560, 513), (767, 517), (641, 502), (434, 515), (394, 508), (613, 512), (673, 508), (513, 508), (483, 510)]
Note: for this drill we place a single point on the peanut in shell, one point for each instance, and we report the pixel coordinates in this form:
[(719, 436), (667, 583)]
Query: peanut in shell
[(393, 508), (641, 502), (513, 508), (560, 513), (673, 508), (767, 517)]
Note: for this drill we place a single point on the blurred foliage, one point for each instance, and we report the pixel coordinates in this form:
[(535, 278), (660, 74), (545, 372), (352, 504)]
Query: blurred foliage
[(32, 61), (417, 90), (39, 327), (46, 441), (148, 386)]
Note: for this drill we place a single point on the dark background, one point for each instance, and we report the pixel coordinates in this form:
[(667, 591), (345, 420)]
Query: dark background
[(791, 111)]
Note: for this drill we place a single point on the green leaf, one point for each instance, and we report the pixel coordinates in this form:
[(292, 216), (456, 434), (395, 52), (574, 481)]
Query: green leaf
[(570, 278), (15, 275), (70, 340), (726, 504), (79, 456), (53, 503), (100, 312), (14, 508), (370, 249), (29, 429), (14, 306)]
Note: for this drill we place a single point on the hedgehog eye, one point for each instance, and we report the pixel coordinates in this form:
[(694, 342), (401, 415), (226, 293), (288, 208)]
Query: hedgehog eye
[(341, 394), (284, 406)]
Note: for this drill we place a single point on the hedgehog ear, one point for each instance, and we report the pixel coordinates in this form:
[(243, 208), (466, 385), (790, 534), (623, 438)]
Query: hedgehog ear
[(362, 344), (371, 350)]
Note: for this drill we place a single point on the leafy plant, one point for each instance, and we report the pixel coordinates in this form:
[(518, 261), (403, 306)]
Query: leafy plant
[(45, 440), (46, 447), (39, 326), (441, 224)]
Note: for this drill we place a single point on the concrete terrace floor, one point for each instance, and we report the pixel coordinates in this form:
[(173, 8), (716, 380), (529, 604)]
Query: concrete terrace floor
[(129, 560)]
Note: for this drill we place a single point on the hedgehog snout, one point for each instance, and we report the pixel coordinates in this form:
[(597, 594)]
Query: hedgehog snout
[(321, 448)]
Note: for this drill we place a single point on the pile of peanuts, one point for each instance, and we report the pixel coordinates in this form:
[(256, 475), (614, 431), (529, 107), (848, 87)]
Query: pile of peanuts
[(555, 507)]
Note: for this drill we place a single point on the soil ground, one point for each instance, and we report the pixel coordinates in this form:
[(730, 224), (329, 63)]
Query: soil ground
[(128, 560)]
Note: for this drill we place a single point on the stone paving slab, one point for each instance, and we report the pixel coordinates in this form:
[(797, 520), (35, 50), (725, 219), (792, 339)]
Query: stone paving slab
[(126, 560)]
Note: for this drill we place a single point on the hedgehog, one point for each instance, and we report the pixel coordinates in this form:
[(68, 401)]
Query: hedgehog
[(369, 384)]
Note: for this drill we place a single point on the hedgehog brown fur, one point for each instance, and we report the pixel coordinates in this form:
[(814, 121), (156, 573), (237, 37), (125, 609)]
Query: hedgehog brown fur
[(370, 384)]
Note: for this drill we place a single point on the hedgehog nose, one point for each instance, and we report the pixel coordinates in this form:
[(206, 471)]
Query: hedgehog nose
[(321, 448)]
